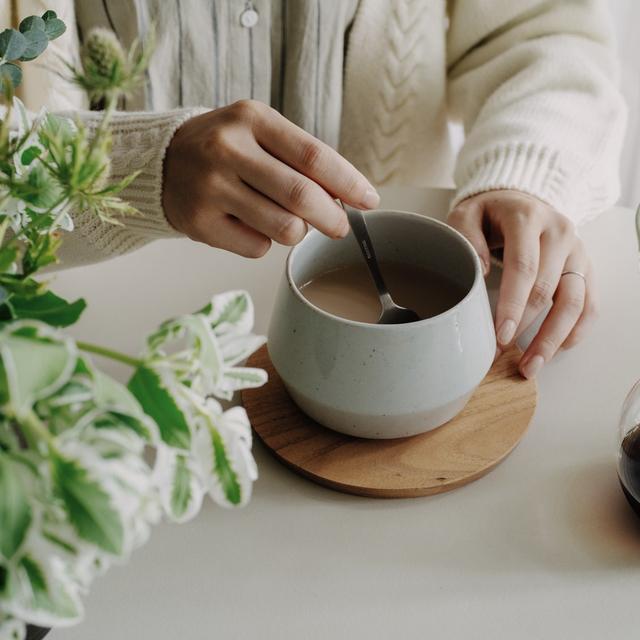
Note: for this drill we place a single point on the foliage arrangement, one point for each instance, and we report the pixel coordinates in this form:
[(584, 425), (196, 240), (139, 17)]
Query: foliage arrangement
[(78, 488)]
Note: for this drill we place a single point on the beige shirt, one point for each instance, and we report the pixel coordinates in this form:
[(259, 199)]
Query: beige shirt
[(287, 53), (533, 83)]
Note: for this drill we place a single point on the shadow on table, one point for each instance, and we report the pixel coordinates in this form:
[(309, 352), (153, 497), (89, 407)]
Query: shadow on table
[(600, 517), (581, 522)]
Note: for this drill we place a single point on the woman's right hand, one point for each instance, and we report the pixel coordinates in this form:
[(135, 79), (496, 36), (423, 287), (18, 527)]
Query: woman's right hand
[(243, 175)]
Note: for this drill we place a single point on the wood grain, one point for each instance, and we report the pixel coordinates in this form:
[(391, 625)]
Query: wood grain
[(461, 451)]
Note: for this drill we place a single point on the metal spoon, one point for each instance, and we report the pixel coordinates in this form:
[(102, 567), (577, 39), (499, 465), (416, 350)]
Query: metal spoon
[(391, 312)]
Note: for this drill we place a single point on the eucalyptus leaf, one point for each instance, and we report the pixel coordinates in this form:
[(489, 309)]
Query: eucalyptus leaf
[(88, 506), (158, 403), (10, 74), (48, 308), (12, 44), (54, 27), (32, 23), (37, 41), (15, 511)]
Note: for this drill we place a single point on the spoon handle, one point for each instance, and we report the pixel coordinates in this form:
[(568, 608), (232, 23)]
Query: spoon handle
[(359, 228)]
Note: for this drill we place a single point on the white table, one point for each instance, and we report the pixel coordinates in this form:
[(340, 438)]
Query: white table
[(543, 547)]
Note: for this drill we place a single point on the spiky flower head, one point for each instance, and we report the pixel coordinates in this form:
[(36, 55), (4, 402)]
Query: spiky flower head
[(102, 55), (108, 71)]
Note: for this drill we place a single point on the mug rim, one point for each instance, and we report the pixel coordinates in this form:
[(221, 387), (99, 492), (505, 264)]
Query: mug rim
[(478, 274)]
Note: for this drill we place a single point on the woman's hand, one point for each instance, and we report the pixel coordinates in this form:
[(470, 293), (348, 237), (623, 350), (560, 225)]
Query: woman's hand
[(539, 246), (243, 175)]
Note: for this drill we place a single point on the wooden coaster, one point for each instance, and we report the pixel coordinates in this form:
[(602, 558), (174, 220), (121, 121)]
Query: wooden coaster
[(459, 452)]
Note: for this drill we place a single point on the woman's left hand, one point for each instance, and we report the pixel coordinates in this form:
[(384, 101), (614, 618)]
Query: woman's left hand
[(541, 248)]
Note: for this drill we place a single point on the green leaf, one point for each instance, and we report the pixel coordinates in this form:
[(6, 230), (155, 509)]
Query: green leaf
[(12, 44), (8, 255), (245, 377), (4, 578), (32, 365), (18, 284), (48, 308), (54, 27), (40, 189), (15, 511), (10, 74), (49, 15), (87, 505), (233, 310), (123, 407), (224, 470), (29, 155), (52, 598), (37, 42), (31, 23), (42, 250), (59, 128), (158, 403), (181, 492)]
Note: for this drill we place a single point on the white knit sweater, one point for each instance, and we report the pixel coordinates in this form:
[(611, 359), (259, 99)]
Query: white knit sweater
[(532, 81)]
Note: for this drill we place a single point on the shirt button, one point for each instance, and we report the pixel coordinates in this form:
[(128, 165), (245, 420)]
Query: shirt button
[(249, 18)]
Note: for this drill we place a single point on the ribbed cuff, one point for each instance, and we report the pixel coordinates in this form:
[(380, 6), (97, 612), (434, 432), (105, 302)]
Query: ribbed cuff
[(535, 170), (139, 143)]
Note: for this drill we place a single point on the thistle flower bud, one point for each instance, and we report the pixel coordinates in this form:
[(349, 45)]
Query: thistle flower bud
[(102, 55), (108, 71)]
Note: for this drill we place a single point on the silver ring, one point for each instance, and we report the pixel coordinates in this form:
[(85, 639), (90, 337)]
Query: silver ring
[(575, 273)]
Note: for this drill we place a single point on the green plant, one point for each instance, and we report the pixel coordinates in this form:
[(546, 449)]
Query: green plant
[(76, 490)]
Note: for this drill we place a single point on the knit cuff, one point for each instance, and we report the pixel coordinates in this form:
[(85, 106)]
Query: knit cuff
[(535, 170), (139, 144), (145, 192)]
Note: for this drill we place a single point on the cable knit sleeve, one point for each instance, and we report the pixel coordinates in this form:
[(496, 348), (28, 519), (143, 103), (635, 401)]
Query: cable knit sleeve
[(140, 141), (535, 85)]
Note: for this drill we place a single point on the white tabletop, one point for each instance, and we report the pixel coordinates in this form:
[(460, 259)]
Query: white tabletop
[(543, 547)]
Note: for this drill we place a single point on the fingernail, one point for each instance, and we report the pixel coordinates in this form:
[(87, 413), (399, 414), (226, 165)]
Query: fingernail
[(485, 266), (531, 368), (344, 230), (506, 331), (371, 199)]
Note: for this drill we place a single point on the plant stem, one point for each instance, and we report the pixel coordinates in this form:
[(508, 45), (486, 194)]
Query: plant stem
[(109, 353), (34, 430)]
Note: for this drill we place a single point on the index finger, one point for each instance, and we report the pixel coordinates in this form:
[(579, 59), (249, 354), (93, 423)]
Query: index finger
[(521, 260), (314, 159)]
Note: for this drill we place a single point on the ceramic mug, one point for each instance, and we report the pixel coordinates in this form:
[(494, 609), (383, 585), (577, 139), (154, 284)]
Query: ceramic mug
[(383, 381)]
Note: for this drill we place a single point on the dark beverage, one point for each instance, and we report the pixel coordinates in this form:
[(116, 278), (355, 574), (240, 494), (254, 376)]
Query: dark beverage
[(629, 467)]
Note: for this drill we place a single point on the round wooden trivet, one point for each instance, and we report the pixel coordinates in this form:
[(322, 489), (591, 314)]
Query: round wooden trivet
[(459, 452)]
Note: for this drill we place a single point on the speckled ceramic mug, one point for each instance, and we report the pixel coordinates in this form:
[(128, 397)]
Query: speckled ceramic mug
[(383, 381)]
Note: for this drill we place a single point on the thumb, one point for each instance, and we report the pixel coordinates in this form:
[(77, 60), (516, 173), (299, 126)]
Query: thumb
[(467, 219)]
